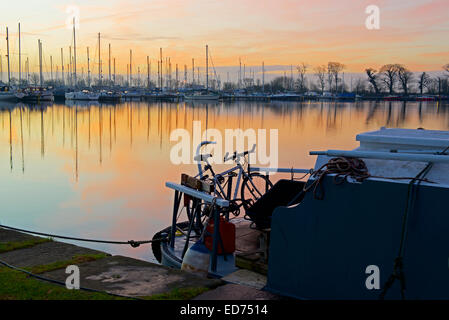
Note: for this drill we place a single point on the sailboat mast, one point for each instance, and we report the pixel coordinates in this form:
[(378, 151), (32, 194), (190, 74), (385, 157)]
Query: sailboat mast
[(74, 50), (41, 80), (109, 63), (162, 61), (193, 71), (7, 52), (88, 67), (130, 68), (20, 59), (99, 59), (62, 66), (148, 71), (207, 67), (176, 76), (51, 68), (263, 76)]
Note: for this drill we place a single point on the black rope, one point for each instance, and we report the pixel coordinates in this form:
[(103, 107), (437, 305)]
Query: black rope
[(398, 266), (132, 243), (62, 283)]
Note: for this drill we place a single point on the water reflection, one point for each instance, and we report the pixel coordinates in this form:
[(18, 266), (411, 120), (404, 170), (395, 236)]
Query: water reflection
[(98, 170)]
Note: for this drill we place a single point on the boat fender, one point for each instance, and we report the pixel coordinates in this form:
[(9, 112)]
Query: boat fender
[(197, 259)]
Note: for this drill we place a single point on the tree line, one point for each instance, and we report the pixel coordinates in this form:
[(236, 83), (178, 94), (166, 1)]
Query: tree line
[(389, 79)]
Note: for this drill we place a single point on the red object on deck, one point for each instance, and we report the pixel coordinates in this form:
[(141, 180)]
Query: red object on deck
[(227, 235)]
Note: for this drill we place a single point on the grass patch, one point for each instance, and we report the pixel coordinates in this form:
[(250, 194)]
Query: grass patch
[(76, 259), (178, 294), (14, 245), (15, 285)]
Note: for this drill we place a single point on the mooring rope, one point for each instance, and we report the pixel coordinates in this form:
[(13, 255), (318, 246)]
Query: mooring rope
[(398, 266), (132, 243)]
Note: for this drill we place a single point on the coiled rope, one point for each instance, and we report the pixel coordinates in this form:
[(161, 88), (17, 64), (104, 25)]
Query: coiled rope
[(343, 168), (132, 243)]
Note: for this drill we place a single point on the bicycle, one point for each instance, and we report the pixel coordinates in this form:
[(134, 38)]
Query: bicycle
[(253, 184)]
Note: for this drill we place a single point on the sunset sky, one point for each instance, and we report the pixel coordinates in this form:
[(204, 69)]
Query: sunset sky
[(281, 32)]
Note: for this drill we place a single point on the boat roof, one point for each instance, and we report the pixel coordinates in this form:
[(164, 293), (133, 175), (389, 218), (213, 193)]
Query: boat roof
[(396, 138), (395, 153)]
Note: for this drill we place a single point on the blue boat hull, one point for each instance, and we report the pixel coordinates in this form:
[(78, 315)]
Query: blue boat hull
[(320, 249)]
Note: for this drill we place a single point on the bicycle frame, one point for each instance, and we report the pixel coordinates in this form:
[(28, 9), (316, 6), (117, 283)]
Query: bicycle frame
[(241, 172)]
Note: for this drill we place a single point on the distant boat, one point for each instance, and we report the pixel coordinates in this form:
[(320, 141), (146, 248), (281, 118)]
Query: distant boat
[(425, 98), (82, 95), (110, 96), (392, 98), (35, 94), (7, 94), (132, 94), (206, 96)]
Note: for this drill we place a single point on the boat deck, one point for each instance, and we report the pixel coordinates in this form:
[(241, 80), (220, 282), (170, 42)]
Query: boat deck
[(251, 251)]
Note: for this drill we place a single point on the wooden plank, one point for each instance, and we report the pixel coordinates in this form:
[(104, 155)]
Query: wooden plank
[(196, 184)]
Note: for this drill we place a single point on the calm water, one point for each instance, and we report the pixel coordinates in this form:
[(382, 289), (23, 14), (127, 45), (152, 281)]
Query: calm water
[(98, 171)]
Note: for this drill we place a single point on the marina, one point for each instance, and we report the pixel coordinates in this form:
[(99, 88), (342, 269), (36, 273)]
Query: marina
[(88, 136), (264, 155)]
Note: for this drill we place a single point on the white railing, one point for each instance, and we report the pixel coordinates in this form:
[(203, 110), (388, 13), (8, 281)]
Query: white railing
[(281, 170), (197, 194), (383, 155)]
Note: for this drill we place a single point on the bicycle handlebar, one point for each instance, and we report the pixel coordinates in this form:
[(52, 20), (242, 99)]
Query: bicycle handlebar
[(236, 155), (202, 157)]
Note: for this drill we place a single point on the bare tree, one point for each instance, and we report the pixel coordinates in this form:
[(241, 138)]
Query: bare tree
[(302, 69), (320, 72), (405, 77), (390, 75), (424, 82), (359, 86), (329, 77), (334, 68), (373, 78), (446, 68)]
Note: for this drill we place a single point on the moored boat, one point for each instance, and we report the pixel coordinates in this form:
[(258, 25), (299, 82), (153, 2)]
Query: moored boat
[(201, 96), (35, 94), (82, 95), (366, 221), (7, 94)]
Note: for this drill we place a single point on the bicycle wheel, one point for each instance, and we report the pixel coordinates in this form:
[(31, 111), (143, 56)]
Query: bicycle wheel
[(253, 187)]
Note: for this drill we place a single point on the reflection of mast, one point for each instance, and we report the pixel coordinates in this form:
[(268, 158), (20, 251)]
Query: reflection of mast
[(100, 122), (42, 133), (76, 142), (21, 138), (10, 139), (63, 126), (89, 128), (110, 131), (148, 122), (115, 127), (131, 123)]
